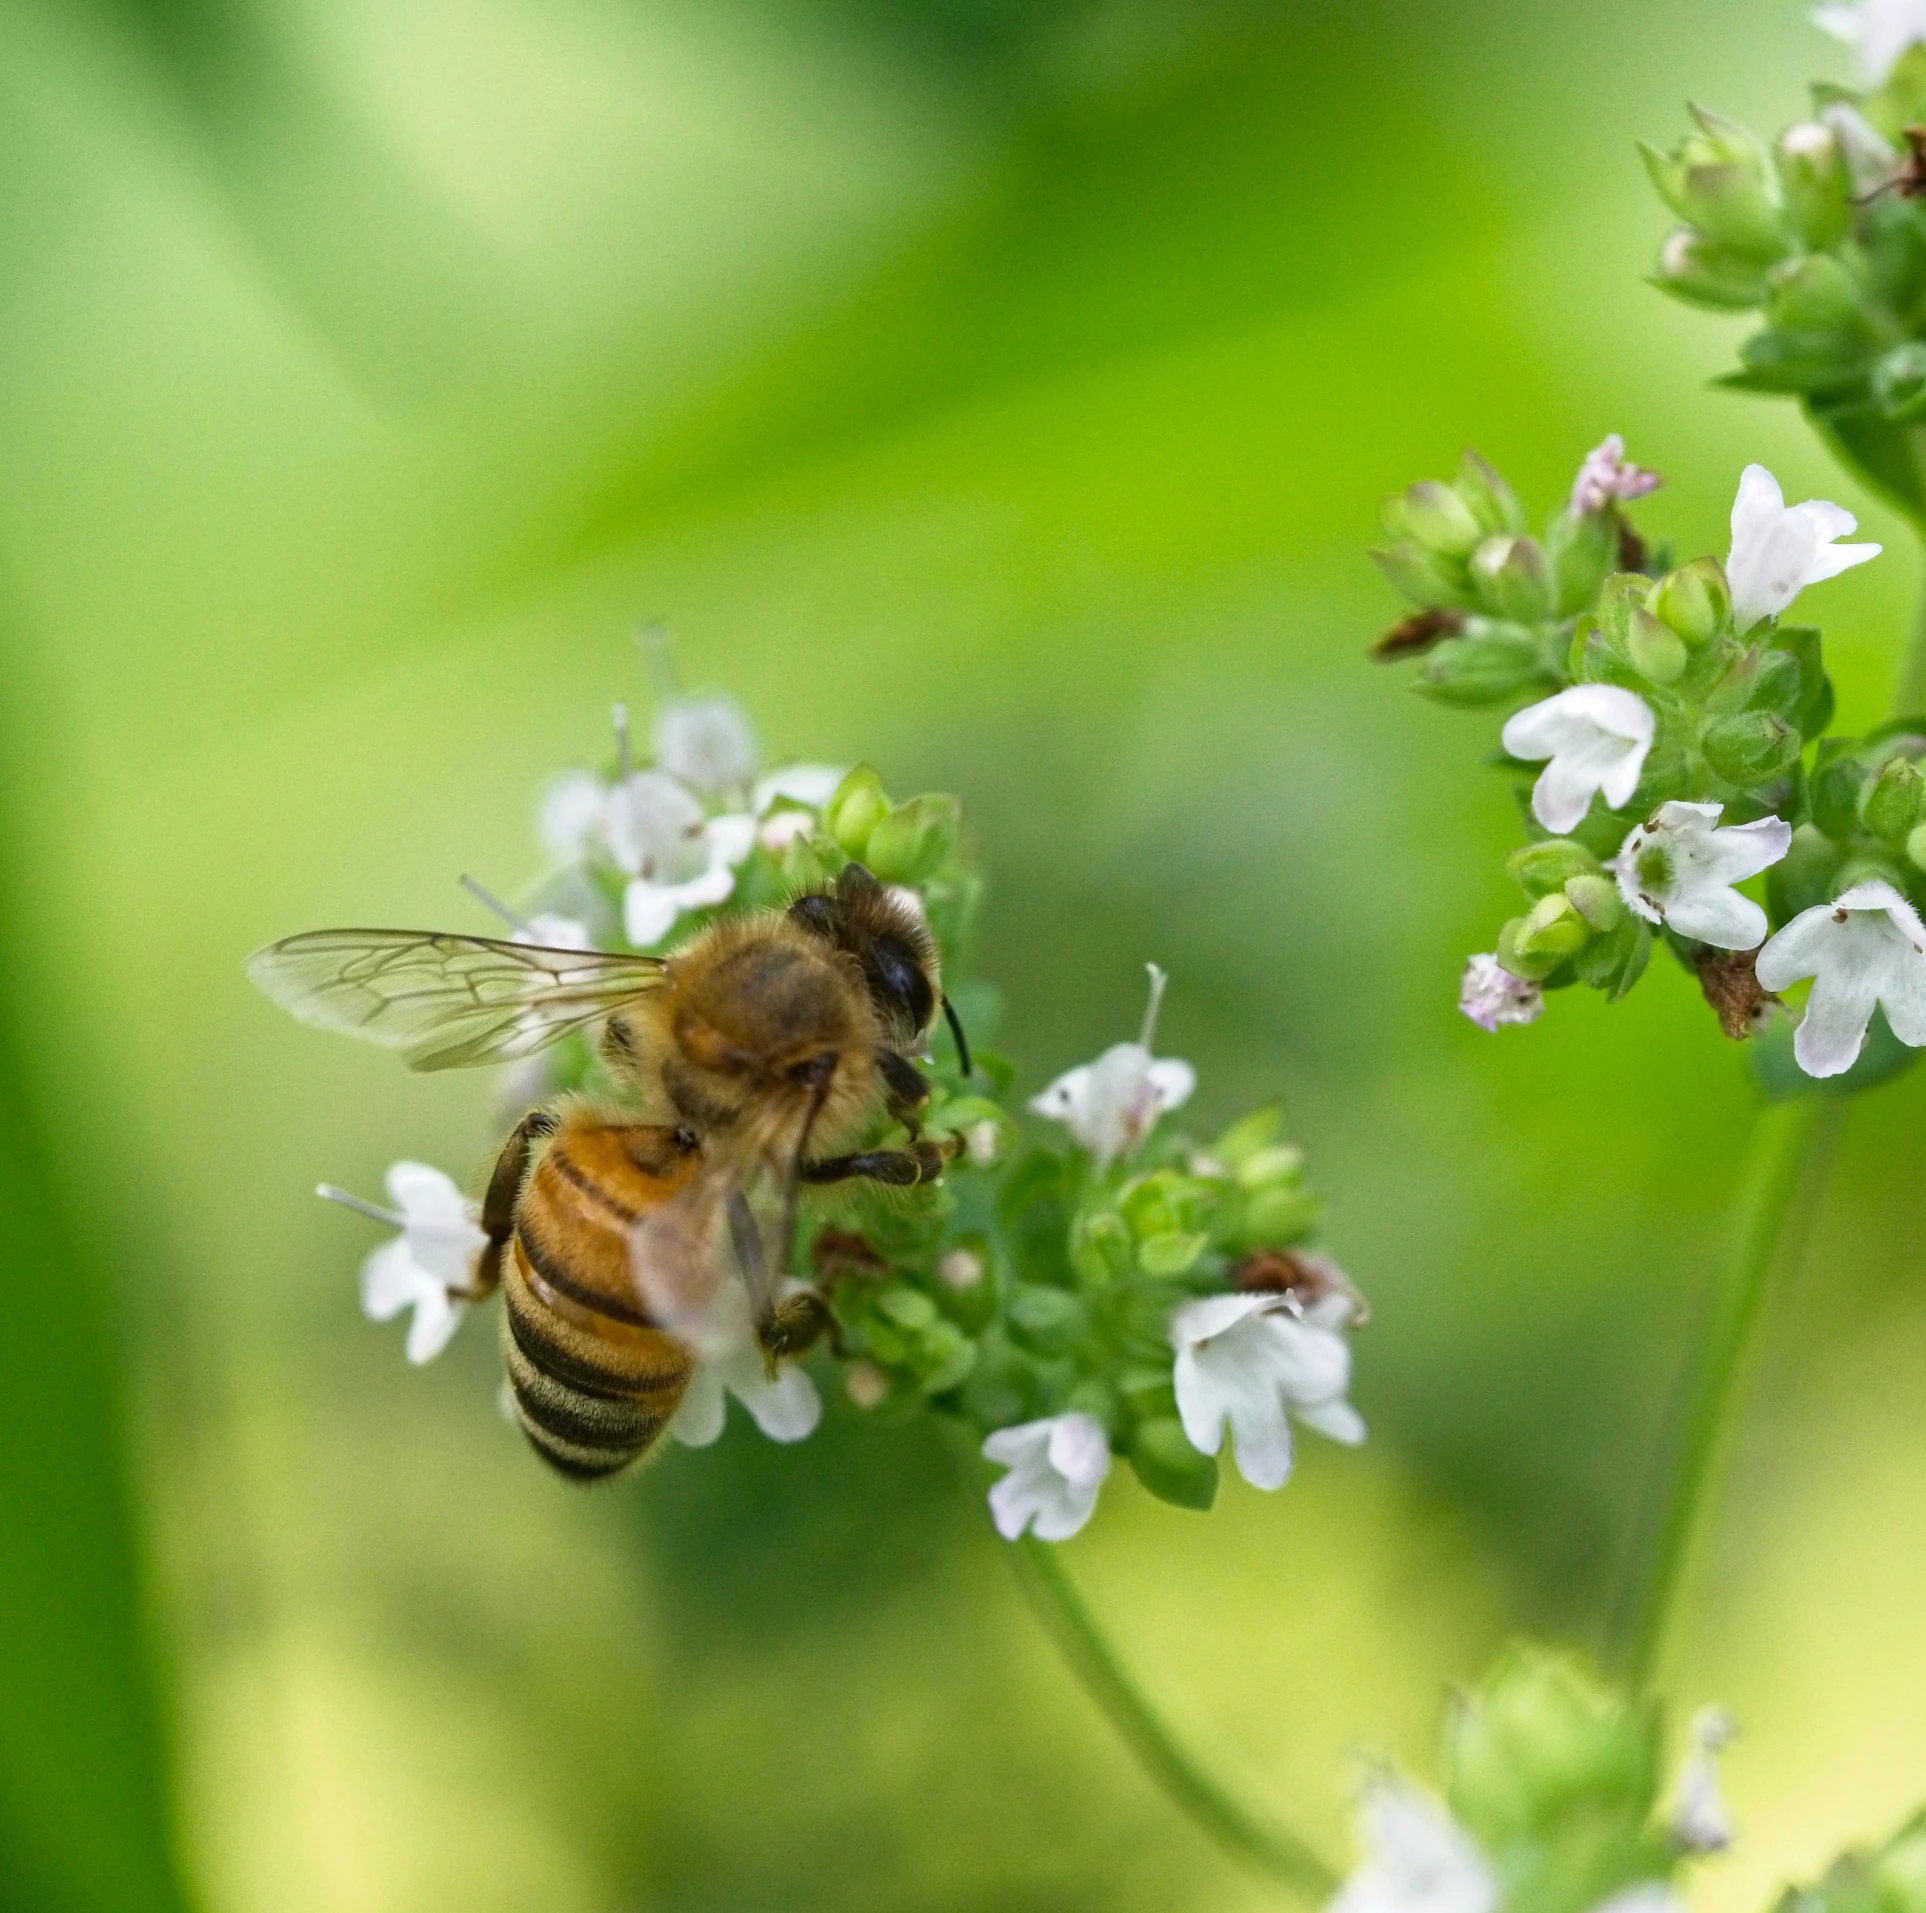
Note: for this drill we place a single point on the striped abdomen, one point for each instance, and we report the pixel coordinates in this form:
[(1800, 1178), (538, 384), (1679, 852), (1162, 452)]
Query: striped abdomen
[(594, 1381)]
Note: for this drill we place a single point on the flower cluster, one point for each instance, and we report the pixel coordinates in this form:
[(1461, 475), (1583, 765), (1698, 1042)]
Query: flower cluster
[(1821, 234), (1552, 1788), (1675, 747), (1127, 1293)]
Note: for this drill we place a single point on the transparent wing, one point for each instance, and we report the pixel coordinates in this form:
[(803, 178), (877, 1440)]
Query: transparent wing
[(446, 1002), (710, 1263)]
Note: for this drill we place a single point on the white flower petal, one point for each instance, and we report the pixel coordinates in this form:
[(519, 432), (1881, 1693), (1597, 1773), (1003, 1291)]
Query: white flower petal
[(437, 1316), (1174, 1080), (1777, 550), (1676, 868), (391, 1279), (699, 1418), (707, 742), (785, 1409), (811, 784), (1056, 1467), (649, 911), (1596, 736), (731, 838), (1417, 1859), (569, 817)]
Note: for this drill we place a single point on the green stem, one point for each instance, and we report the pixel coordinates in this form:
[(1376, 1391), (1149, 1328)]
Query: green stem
[(1783, 1183), (1909, 689), (1240, 1828)]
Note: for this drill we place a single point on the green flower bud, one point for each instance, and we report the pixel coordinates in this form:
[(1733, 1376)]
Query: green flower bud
[(1532, 966), (855, 808), (1280, 1162), (1614, 961), (1580, 548), (1100, 1248), (1654, 650), (1749, 748), (1716, 179), (1274, 1218), (1547, 867), (1778, 685), (1693, 269), (1171, 1253), (1511, 576), (1439, 519), (1424, 578), (1916, 846), (1815, 183), (1693, 601), (915, 838), (1596, 899), (1488, 496), (1890, 803), (1541, 1745), (1813, 293), (1487, 664), (1047, 1320), (1553, 928), (1899, 381), (1170, 1467), (1833, 789)]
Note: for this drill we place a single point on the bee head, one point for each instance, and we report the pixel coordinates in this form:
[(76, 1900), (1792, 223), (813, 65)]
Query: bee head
[(887, 941)]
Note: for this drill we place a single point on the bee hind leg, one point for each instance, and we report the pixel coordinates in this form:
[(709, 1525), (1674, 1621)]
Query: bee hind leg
[(504, 1191), (798, 1323), (900, 1168)]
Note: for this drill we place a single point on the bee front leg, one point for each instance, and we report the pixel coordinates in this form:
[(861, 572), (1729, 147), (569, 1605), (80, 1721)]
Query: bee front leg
[(908, 1094), (899, 1168), (498, 1205)]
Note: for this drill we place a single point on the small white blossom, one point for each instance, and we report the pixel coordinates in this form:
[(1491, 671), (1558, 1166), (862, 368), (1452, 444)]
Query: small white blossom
[(781, 828), (1056, 1467), (785, 1407), (571, 816), (960, 1269), (1607, 478), (430, 1265), (1492, 997), (1677, 869), (866, 1385), (1111, 1105), (1879, 31), (708, 743), (1596, 736), (1249, 1361), (1864, 949), (677, 858), (1417, 1859), (810, 784), (1779, 549), (1700, 1822)]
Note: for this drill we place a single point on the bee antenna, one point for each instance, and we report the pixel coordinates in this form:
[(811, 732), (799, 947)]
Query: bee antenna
[(1157, 981), (495, 907), (653, 637), (956, 1030)]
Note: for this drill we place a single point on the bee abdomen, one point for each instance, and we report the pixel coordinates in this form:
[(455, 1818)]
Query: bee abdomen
[(592, 1394)]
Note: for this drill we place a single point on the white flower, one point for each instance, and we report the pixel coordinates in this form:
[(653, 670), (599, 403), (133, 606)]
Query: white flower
[(1056, 1467), (707, 742), (1417, 1859), (677, 858), (785, 1408), (1779, 549), (571, 816), (1246, 1360), (1607, 478), (1864, 948), (1879, 31), (1491, 996), (1596, 736), (1111, 1105), (1700, 1822), (778, 831), (549, 931), (430, 1265), (809, 784), (1675, 868)]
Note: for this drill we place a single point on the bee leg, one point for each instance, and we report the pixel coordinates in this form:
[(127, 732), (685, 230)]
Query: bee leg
[(908, 1093), (498, 1205), (900, 1168), (801, 1321)]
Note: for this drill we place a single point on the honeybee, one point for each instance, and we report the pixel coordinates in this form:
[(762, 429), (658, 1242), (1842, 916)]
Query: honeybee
[(632, 1237)]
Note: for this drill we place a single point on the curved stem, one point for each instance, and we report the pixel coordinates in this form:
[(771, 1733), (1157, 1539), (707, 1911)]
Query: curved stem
[(1240, 1828), (1783, 1182)]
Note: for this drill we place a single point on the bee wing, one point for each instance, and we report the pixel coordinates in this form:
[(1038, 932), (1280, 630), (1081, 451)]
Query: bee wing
[(709, 1264), (446, 1002)]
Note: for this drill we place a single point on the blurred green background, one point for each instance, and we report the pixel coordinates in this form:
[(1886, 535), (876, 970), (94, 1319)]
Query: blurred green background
[(1002, 393)]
